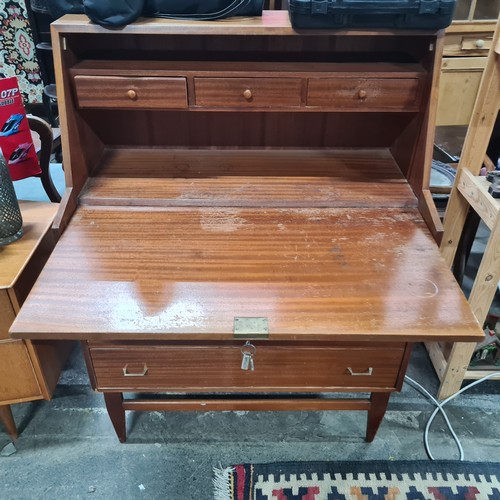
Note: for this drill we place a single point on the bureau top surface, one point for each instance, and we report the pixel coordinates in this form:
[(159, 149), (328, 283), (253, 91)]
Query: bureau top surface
[(125, 273), (272, 22), (37, 219)]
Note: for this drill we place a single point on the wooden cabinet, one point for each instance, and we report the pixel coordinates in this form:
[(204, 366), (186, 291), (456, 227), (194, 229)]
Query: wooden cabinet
[(466, 45), (257, 233), (27, 371)]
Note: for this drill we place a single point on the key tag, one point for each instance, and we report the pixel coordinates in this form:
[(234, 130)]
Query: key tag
[(248, 350)]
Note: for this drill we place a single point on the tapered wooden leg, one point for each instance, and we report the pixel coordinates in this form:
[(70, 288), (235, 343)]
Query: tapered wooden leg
[(379, 401), (8, 421), (114, 405)]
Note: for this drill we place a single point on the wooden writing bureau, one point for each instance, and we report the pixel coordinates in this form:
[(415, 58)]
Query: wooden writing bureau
[(234, 182)]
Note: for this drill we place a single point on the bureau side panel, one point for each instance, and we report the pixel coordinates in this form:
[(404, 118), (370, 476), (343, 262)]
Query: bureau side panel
[(18, 382), (6, 314)]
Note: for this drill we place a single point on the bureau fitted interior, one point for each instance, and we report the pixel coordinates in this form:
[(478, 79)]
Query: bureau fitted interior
[(234, 170), (303, 92)]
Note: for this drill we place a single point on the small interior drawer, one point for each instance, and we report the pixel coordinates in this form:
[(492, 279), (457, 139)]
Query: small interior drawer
[(134, 92), (364, 94), (218, 368), (248, 92), (477, 43), (467, 43)]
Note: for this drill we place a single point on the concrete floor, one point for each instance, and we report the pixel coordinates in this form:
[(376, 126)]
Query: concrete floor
[(68, 449)]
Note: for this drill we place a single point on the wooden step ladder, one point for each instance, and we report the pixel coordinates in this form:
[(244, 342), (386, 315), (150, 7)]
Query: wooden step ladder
[(451, 362)]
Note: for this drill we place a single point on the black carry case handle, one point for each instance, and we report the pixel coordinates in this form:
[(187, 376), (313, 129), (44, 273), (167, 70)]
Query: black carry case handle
[(225, 12)]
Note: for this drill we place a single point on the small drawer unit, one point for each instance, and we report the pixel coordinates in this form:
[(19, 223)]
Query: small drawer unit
[(475, 43), (220, 367), (130, 92), (248, 92), (364, 94)]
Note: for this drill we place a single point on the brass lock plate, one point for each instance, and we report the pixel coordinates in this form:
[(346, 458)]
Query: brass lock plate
[(250, 328)]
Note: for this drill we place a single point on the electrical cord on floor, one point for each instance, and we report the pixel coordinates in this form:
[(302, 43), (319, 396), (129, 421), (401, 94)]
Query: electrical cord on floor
[(439, 408)]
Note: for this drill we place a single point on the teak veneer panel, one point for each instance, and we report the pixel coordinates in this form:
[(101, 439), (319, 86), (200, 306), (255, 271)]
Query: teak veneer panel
[(139, 93), (270, 92), (37, 217), (19, 381), (216, 85), (316, 274), (302, 68), (297, 178), (273, 22), (218, 368), (7, 314), (364, 93)]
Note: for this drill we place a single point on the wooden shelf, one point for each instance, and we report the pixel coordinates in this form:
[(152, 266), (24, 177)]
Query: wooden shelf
[(251, 178), (460, 358), (232, 68), (273, 22)]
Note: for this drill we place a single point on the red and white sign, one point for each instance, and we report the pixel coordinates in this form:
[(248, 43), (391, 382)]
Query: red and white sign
[(15, 135)]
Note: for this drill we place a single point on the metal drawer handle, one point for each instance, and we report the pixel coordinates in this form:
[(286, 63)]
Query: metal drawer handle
[(126, 373), (360, 374)]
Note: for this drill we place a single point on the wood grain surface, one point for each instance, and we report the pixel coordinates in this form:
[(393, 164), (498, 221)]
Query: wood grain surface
[(272, 22), (365, 93), (214, 368), (37, 218), (297, 178), (130, 93), (316, 274)]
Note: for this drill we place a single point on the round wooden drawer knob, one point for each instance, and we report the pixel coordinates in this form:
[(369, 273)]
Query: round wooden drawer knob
[(362, 94), (132, 94), (247, 94), (479, 43)]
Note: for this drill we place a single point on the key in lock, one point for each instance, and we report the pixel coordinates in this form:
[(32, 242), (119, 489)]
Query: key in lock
[(248, 351)]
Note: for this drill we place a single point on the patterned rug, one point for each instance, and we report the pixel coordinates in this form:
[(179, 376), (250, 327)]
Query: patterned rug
[(359, 481), (17, 50)]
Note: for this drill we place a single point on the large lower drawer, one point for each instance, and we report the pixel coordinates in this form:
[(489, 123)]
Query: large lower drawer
[(130, 92), (365, 94), (218, 368)]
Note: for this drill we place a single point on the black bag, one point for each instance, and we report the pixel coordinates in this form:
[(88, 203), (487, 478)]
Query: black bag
[(58, 8), (202, 10), (113, 12), (121, 12)]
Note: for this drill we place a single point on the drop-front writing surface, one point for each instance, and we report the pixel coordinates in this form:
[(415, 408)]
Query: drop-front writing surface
[(357, 274)]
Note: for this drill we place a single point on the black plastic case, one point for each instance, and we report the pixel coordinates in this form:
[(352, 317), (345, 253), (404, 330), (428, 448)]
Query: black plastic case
[(404, 14)]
